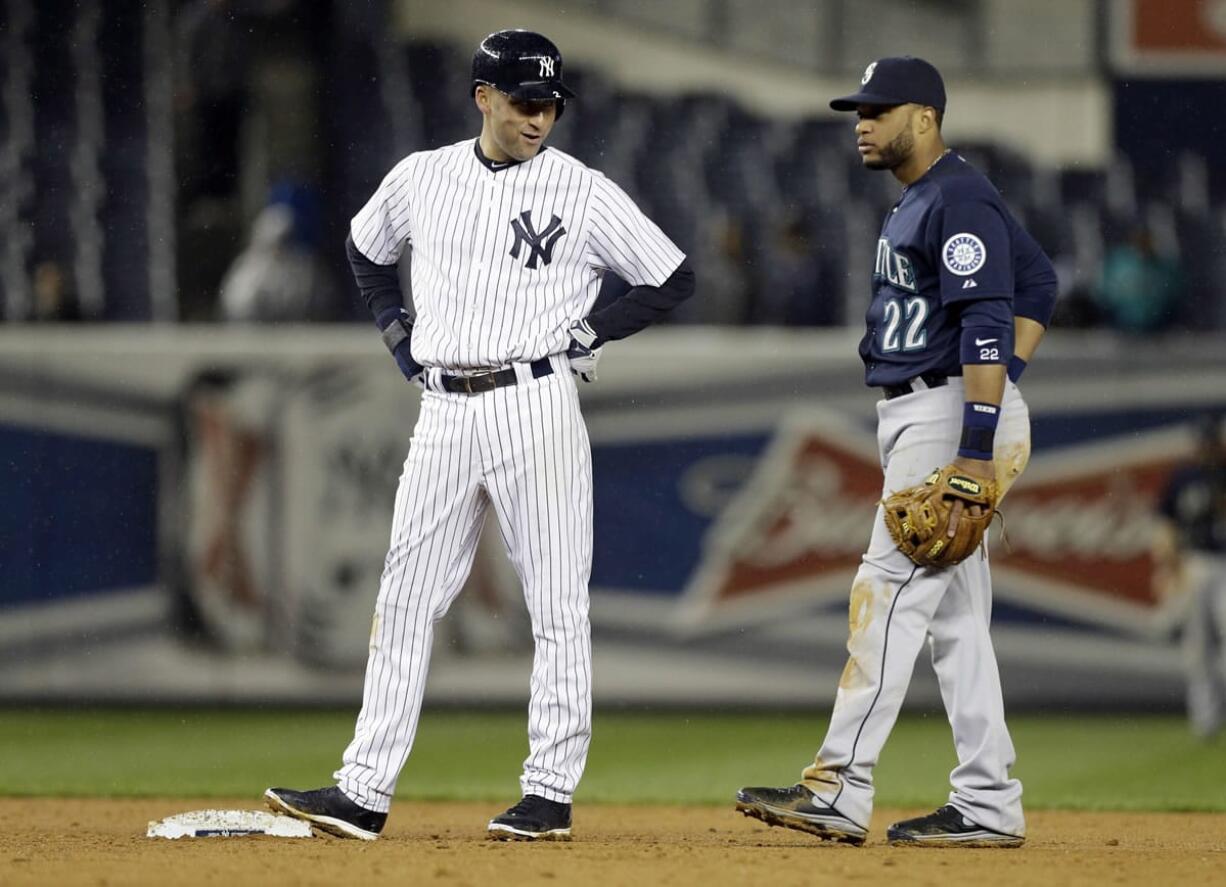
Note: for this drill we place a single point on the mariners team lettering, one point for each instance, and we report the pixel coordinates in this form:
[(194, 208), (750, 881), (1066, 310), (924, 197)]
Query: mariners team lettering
[(541, 243), (894, 267)]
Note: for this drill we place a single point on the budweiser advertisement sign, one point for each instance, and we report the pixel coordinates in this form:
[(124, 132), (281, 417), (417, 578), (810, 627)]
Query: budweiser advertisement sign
[(1078, 528)]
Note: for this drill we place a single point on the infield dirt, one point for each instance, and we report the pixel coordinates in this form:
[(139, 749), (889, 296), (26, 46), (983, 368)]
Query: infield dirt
[(102, 842)]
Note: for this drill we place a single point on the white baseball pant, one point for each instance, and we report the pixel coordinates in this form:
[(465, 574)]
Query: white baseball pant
[(524, 450), (897, 605)]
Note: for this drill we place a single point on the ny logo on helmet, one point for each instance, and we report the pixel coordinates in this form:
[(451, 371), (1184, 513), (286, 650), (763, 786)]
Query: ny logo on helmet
[(540, 243), (546, 67)]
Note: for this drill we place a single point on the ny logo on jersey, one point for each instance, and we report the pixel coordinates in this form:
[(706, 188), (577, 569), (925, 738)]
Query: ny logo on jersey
[(894, 267), (540, 243), (546, 67)]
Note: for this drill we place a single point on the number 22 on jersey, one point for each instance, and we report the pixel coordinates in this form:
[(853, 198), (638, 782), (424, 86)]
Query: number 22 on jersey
[(904, 324)]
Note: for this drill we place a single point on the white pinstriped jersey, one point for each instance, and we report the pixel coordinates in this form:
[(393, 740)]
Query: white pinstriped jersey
[(505, 260)]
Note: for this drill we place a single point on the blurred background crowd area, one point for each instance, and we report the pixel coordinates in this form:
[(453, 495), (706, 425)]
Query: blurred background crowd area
[(199, 160)]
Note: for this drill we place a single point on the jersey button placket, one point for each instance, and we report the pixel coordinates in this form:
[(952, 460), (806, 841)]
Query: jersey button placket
[(481, 235), (487, 203)]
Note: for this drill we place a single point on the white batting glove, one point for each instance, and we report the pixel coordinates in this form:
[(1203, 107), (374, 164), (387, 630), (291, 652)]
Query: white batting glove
[(583, 362), (583, 357)]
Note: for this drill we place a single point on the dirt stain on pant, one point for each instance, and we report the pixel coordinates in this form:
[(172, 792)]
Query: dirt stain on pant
[(854, 676), (860, 611), (860, 608), (819, 776)]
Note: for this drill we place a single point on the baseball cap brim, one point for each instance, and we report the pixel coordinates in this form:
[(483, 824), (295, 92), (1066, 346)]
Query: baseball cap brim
[(544, 89), (851, 102)]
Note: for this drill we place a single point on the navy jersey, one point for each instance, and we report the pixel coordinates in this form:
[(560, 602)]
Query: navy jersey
[(950, 239)]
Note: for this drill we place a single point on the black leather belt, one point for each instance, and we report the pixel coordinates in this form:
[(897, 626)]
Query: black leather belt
[(931, 380), (482, 382)]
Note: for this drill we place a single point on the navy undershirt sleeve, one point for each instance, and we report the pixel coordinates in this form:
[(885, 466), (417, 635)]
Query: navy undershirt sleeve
[(642, 306), (380, 284)]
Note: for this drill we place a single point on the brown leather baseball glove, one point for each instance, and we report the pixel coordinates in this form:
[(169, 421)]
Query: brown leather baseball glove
[(919, 517)]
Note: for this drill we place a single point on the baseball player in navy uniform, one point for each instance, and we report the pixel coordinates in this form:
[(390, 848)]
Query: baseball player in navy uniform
[(961, 297), (509, 243), (1190, 559)]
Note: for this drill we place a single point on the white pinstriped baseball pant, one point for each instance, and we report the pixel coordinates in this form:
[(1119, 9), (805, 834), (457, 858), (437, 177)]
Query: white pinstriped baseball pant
[(524, 450), (896, 606)]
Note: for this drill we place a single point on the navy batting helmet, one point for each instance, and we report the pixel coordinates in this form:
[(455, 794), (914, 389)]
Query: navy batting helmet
[(523, 64)]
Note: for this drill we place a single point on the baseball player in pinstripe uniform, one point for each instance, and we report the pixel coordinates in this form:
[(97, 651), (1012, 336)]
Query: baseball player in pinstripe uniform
[(961, 297), (509, 243)]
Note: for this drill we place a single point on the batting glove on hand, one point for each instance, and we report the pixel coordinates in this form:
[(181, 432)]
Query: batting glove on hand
[(397, 336), (584, 352)]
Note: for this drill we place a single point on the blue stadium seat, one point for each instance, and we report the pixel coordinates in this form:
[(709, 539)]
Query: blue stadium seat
[(1203, 263)]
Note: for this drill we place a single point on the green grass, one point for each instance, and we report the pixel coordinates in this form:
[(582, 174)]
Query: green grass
[(1102, 763)]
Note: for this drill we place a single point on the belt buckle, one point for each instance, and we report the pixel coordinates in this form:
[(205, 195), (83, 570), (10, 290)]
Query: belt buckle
[(480, 383)]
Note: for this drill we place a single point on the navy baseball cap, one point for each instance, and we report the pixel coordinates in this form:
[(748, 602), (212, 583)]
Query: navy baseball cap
[(897, 80)]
